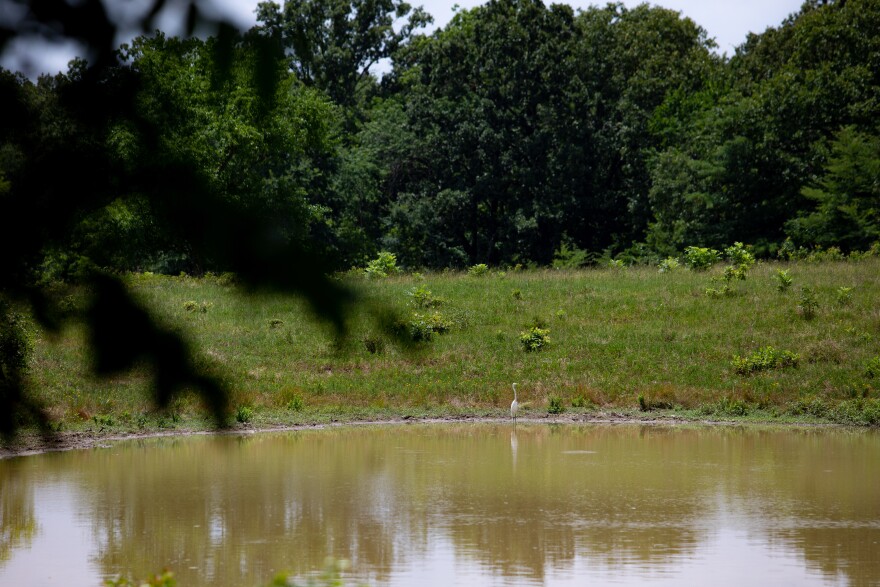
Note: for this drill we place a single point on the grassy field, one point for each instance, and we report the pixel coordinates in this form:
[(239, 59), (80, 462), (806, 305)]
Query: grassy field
[(624, 340)]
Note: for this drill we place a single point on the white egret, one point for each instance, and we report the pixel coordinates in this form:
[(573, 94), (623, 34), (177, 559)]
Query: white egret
[(514, 405)]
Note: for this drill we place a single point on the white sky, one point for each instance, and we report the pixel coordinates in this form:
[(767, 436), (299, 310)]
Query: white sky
[(727, 21)]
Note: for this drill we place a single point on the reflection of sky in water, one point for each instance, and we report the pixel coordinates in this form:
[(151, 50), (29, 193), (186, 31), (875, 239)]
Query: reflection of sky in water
[(62, 551), (472, 505)]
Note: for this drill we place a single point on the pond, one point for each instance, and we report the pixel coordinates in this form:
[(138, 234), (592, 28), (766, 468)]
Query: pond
[(466, 504)]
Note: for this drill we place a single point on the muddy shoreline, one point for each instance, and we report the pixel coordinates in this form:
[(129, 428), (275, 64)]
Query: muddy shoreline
[(32, 442)]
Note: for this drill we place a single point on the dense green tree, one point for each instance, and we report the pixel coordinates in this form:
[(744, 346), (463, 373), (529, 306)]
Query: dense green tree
[(536, 120), (333, 44), (491, 104), (744, 155), (847, 196), (630, 60)]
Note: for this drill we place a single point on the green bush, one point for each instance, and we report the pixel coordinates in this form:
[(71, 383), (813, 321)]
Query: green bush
[(478, 270), (669, 264), (843, 296), (700, 258), (295, 404), (244, 414), (16, 341), (764, 359), (422, 327), (382, 266), (739, 256), (568, 256), (437, 322), (809, 304), (535, 339), (554, 405), (422, 297), (783, 280)]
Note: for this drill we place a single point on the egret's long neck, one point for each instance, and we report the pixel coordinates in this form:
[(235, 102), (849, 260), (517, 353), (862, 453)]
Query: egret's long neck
[(514, 391)]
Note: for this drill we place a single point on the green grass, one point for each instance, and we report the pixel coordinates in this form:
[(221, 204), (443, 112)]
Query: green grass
[(633, 340)]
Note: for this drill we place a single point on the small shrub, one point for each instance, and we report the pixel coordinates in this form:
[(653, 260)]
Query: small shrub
[(616, 264), (808, 305), (764, 359), (787, 250), (843, 296), (669, 264), (478, 270), (295, 404), (437, 322), (580, 402), (516, 295), (422, 297), (819, 255), (382, 266), (739, 256), (554, 405), (421, 328), (103, 420), (568, 256), (16, 343), (735, 273), (700, 258), (534, 339), (244, 414), (783, 280), (719, 292), (227, 279)]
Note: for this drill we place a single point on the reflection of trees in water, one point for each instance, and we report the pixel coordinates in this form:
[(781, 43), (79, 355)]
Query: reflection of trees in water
[(583, 493), (817, 494), (238, 510), (234, 510), (18, 522)]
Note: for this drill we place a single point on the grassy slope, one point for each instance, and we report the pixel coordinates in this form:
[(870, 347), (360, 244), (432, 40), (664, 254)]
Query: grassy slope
[(616, 334)]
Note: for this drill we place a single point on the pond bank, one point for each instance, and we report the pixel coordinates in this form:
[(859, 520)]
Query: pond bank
[(31, 442)]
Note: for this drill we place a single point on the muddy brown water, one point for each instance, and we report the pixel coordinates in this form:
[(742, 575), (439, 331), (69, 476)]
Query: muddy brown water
[(465, 504)]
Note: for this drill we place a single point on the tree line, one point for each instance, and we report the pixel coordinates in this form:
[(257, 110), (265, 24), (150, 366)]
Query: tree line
[(517, 131)]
